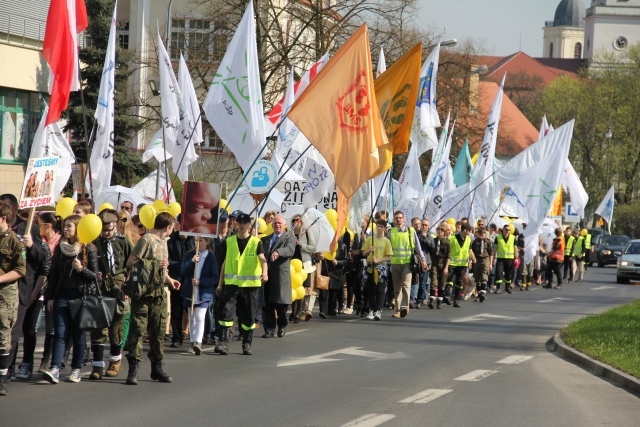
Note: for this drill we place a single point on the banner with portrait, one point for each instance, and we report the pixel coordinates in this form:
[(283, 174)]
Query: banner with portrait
[(200, 209), (38, 188)]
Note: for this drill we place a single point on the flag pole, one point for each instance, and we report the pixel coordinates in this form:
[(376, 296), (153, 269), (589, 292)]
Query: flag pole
[(86, 132)]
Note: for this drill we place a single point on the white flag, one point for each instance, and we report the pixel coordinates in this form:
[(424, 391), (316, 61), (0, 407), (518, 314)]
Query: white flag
[(319, 182), (155, 149), (190, 99), (426, 120), (176, 119), (101, 162), (605, 208), (457, 204), (533, 177), (147, 187), (49, 141), (410, 185), (285, 127), (435, 163), (577, 194), (234, 103), (484, 168), (440, 182), (382, 63), (544, 128)]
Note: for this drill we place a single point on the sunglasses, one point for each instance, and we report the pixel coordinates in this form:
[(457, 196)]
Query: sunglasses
[(140, 226), (123, 219)]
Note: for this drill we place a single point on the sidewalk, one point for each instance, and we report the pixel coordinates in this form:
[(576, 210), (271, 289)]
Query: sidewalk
[(596, 367)]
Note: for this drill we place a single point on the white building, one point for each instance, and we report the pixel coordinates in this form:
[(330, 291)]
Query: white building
[(611, 26), (564, 36)]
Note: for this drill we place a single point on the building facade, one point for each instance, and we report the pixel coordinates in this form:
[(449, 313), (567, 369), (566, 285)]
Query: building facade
[(611, 26), (564, 36)]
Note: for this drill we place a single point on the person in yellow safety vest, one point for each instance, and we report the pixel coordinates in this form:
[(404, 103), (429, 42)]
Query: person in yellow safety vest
[(569, 240), (460, 252), (404, 243), (587, 247), (244, 268), (506, 253), (579, 254)]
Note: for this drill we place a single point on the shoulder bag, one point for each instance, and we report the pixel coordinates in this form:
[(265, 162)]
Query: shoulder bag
[(92, 311), (416, 261), (320, 282)]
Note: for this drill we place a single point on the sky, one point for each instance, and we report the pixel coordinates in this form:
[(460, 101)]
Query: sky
[(507, 26)]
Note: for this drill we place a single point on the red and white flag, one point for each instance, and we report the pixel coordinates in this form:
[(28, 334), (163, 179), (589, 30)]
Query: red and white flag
[(65, 20)]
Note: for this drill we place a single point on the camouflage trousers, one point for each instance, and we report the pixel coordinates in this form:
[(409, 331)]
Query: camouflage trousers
[(8, 315), (148, 314)]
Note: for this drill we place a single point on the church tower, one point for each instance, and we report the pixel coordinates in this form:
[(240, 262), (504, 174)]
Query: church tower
[(564, 36), (611, 26)]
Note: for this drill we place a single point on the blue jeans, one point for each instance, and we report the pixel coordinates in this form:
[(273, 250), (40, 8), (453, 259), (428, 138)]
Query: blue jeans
[(420, 291), (64, 327)]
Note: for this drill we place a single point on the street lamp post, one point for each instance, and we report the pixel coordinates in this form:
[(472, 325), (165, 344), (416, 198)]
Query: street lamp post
[(608, 136)]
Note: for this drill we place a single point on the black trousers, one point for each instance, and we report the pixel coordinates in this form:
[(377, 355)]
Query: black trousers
[(553, 267), (568, 268), (504, 270), (241, 301), (25, 325), (270, 311), (177, 310), (375, 294)]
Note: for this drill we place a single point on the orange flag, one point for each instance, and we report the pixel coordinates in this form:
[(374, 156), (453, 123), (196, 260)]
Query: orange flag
[(396, 92), (556, 207), (339, 115)]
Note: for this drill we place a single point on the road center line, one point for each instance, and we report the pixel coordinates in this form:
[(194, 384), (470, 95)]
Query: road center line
[(514, 360), (426, 396), (297, 331), (370, 420), (476, 375)]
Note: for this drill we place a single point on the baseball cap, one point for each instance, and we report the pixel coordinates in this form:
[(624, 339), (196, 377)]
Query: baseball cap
[(224, 216), (235, 214), (243, 217)]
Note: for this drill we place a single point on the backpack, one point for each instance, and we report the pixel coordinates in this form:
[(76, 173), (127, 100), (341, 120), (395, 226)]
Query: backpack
[(146, 277)]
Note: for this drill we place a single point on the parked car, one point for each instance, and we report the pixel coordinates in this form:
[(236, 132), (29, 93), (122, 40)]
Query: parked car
[(607, 249), (629, 263)]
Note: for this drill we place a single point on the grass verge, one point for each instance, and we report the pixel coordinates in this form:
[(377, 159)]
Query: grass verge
[(612, 337)]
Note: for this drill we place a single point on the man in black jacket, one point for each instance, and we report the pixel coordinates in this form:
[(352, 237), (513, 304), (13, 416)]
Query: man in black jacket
[(38, 259), (178, 246)]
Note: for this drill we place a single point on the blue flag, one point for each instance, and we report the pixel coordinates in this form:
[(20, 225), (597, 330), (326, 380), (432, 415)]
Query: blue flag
[(464, 166)]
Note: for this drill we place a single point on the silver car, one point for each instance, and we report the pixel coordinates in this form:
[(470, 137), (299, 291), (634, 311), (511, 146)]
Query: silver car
[(629, 263)]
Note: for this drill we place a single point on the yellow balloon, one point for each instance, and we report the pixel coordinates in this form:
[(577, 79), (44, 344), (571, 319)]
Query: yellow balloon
[(584, 232), (105, 206), (304, 275), (174, 209), (451, 222), (160, 206), (262, 225), (89, 228), (331, 215), (148, 216), (329, 256), (269, 230), (299, 292), (296, 265), (65, 206), (224, 205), (296, 280), (512, 228)]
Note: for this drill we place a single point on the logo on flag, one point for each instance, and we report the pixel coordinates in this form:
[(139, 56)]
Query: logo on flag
[(261, 177), (354, 106)]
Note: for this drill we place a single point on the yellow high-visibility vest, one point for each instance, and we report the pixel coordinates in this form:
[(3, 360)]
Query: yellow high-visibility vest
[(242, 270), (459, 254), (506, 249), (401, 245)]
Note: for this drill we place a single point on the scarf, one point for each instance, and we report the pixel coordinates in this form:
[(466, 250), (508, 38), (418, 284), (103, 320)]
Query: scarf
[(68, 249)]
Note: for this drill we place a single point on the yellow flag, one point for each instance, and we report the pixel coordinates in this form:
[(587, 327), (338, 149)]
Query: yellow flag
[(556, 208), (397, 92), (339, 114)]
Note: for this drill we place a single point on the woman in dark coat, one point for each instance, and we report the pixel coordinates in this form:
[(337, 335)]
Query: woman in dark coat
[(199, 270), (335, 269)]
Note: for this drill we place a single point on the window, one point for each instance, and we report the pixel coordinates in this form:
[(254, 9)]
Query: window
[(550, 50), (194, 37), (20, 113), (577, 51), (123, 34), (212, 141)]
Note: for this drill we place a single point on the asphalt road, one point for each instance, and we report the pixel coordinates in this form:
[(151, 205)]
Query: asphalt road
[(482, 364)]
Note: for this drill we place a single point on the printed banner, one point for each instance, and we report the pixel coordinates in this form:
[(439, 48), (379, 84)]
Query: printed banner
[(201, 207), (38, 187)]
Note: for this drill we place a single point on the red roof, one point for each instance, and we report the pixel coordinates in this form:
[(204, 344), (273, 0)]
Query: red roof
[(546, 68)]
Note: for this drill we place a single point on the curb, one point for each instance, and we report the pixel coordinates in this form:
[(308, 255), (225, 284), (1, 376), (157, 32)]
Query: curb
[(596, 367)]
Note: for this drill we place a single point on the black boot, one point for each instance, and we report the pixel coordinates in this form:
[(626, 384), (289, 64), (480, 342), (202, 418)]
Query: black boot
[(158, 374), (223, 348), (3, 388), (134, 367), (246, 343)]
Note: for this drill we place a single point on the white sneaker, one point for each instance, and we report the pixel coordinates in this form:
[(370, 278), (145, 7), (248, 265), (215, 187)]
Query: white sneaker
[(75, 376), (378, 315), (348, 310), (370, 315)]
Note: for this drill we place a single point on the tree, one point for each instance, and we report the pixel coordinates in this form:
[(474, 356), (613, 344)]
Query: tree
[(128, 168), (605, 98)]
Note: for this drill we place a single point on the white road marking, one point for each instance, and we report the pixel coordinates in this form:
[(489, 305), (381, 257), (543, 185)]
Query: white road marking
[(426, 396), (556, 299), (483, 316), (351, 351), (297, 331), (514, 360), (602, 288), (476, 375), (370, 420)]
